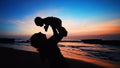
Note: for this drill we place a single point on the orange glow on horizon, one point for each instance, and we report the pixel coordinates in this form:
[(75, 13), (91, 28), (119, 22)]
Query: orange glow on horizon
[(101, 28)]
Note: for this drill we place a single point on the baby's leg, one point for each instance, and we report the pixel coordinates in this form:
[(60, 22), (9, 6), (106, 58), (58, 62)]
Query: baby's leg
[(57, 24)]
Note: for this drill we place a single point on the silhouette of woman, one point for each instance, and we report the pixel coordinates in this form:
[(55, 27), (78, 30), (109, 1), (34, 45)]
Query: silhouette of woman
[(56, 58), (48, 48)]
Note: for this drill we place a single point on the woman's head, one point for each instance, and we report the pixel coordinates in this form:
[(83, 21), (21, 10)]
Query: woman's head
[(38, 21), (38, 40)]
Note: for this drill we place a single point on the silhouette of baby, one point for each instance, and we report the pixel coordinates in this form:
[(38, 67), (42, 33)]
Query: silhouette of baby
[(48, 21)]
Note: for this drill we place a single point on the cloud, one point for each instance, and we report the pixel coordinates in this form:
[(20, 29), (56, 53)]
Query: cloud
[(75, 27), (101, 28), (27, 26)]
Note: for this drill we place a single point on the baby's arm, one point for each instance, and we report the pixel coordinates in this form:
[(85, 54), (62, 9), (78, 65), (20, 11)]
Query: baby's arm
[(46, 27)]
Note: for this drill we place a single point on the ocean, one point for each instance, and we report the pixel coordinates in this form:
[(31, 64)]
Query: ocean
[(104, 55)]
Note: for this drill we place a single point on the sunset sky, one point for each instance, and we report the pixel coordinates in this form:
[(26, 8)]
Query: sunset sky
[(83, 19)]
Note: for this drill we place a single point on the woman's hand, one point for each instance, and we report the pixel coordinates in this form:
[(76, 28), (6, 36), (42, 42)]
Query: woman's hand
[(62, 31)]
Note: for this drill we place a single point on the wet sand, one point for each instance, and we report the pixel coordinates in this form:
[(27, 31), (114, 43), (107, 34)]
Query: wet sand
[(11, 58)]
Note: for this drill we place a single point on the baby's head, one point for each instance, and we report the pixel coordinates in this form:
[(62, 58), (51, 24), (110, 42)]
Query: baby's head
[(38, 21)]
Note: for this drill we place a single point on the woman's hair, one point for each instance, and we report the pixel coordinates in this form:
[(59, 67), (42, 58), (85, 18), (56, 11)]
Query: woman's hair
[(37, 40)]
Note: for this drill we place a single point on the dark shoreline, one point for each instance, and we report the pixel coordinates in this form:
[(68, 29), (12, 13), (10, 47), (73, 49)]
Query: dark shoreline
[(11, 58), (100, 41), (91, 41)]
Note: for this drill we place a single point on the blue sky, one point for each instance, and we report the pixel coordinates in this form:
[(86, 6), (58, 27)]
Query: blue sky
[(16, 16), (20, 8)]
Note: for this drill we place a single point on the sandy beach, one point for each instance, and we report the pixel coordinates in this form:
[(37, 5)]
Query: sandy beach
[(11, 58)]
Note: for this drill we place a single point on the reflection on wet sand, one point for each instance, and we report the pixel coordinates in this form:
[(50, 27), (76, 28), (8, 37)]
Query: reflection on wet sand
[(102, 55), (78, 51)]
